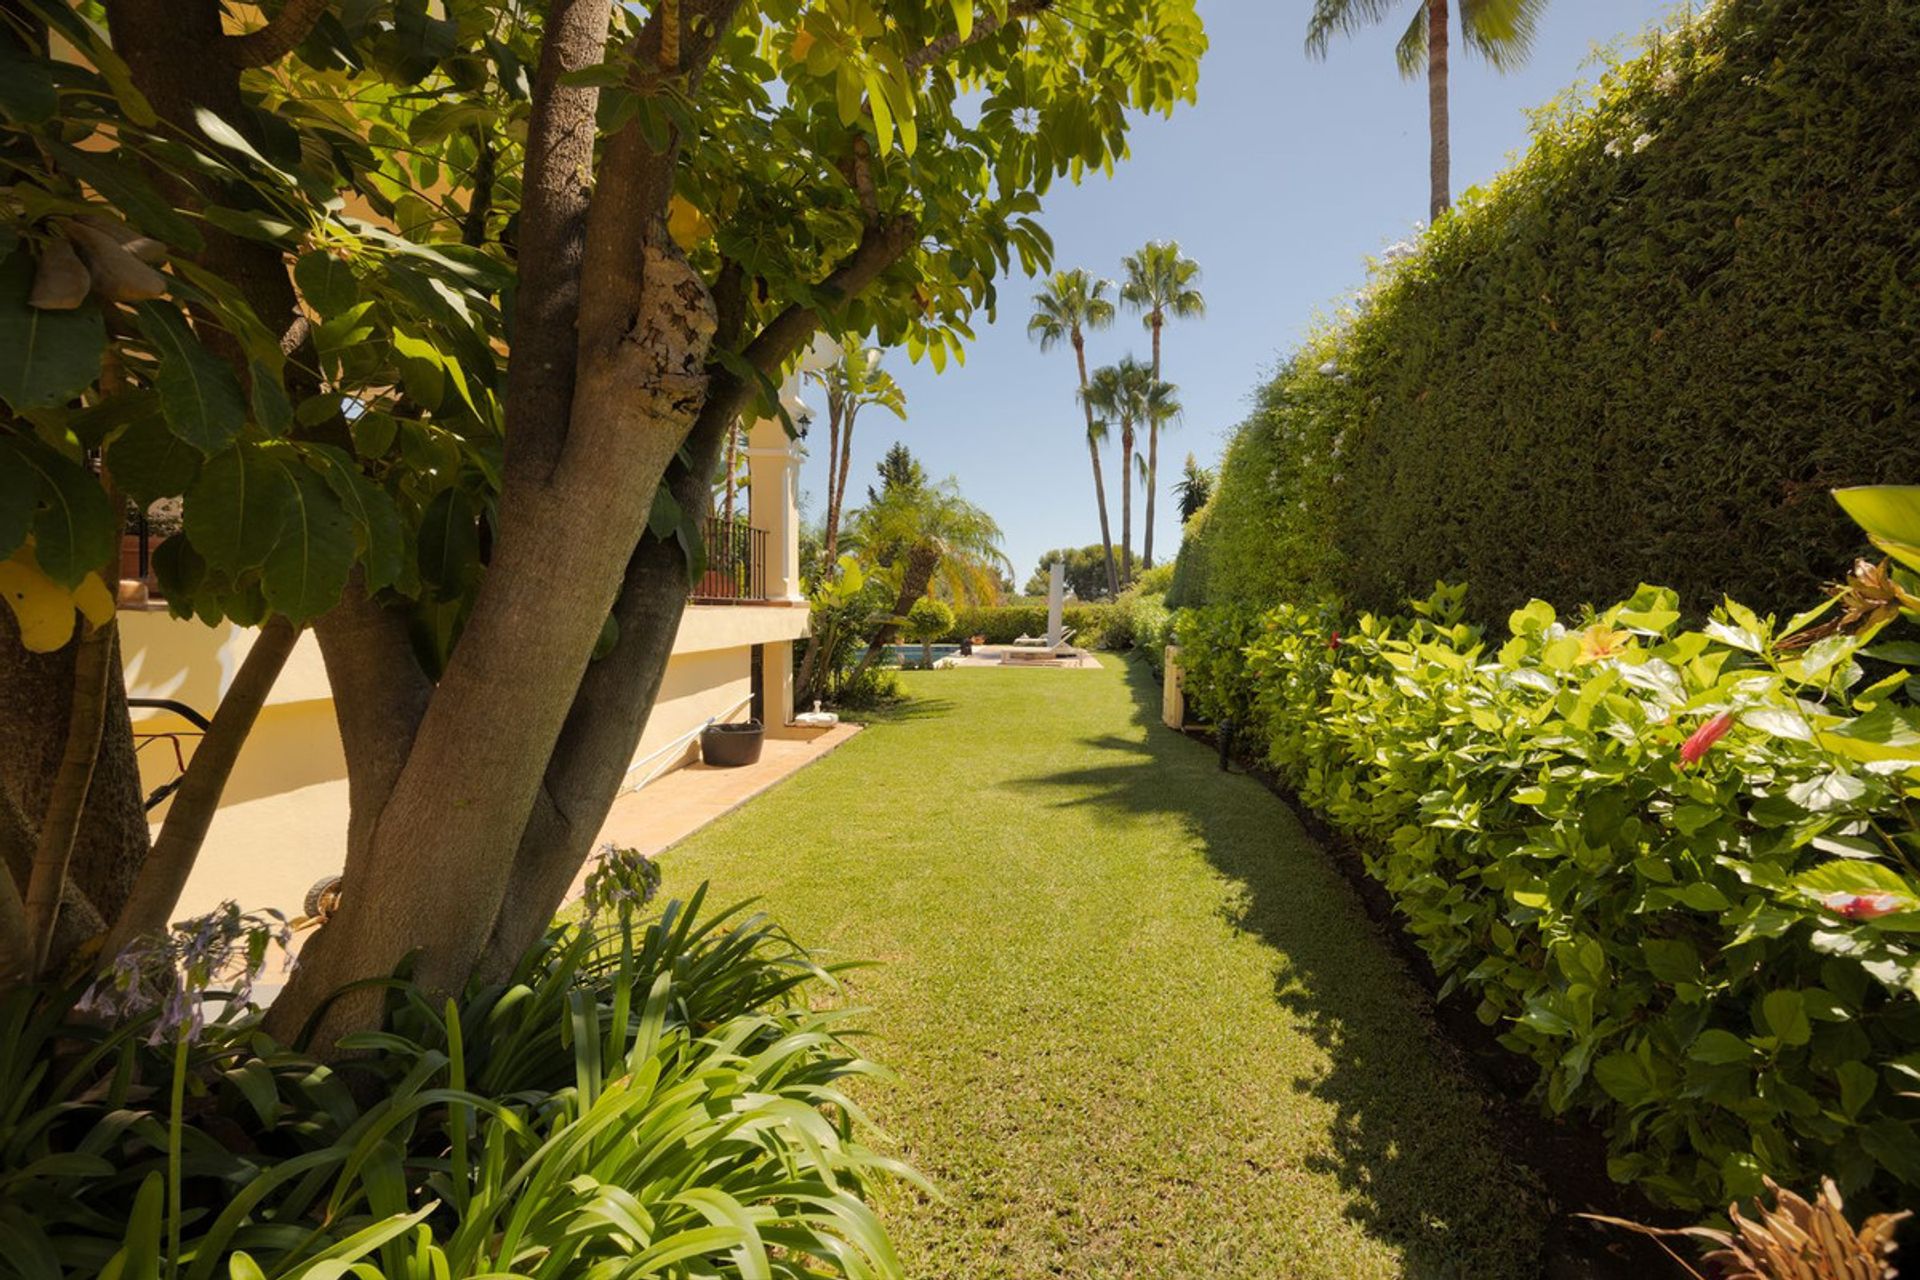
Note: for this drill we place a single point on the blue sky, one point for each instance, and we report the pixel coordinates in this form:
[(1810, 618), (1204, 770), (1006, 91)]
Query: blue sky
[(1279, 183)]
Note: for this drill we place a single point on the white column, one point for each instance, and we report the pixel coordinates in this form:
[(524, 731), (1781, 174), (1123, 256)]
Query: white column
[(773, 473), (1056, 599)]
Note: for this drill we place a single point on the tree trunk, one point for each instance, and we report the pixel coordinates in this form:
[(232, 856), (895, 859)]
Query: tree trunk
[(1099, 482), (921, 562), (164, 872), (1153, 450), (732, 465), (1440, 167), (66, 802), (830, 537), (840, 489), (1126, 503), (35, 693)]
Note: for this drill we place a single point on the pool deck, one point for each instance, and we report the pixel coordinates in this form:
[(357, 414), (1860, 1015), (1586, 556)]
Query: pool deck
[(997, 655)]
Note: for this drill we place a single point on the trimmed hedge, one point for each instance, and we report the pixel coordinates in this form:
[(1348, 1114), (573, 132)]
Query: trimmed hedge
[(1645, 351), (1675, 867), (1004, 623)]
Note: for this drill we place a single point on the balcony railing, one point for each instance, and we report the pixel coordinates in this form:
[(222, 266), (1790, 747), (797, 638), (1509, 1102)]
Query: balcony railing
[(736, 563)]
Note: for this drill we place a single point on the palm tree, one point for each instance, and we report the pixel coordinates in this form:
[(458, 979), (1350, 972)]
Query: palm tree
[(853, 381), (1072, 303), (1501, 31), (1126, 395), (923, 537), (1193, 489), (1160, 285)]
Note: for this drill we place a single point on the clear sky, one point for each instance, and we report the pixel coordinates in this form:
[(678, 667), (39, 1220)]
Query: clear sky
[(1279, 183)]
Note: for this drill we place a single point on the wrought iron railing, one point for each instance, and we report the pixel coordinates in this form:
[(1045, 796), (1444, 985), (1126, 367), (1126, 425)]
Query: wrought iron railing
[(736, 563)]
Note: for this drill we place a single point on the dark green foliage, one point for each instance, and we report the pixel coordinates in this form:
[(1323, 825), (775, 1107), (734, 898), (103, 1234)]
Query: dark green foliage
[(520, 1129), (1005, 623), (1644, 353)]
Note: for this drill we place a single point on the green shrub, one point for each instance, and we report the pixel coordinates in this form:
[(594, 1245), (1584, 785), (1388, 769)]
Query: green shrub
[(652, 1101), (1643, 352), (1707, 941), (874, 688), (1004, 623), (1140, 619), (928, 621)]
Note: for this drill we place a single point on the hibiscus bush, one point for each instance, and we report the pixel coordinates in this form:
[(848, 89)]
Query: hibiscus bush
[(1674, 865)]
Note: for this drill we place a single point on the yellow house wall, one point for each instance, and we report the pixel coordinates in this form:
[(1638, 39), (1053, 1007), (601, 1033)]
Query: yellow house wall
[(282, 821)]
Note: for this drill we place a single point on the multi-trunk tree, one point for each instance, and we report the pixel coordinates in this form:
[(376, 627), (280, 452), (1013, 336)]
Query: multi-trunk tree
[(436, 313)]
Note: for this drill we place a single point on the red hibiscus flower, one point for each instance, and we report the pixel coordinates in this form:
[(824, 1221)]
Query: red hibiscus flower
[(1861, 906), (1703, 738)]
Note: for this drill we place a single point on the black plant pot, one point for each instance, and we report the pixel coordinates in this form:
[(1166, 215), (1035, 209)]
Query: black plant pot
[(728, 746)]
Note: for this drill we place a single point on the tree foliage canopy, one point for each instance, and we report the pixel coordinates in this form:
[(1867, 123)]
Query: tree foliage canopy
[(384, 159), (436, 314)]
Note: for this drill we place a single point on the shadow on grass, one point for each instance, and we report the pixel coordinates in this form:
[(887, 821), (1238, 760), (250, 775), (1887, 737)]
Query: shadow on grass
[(1410, 1144), (906, 709)]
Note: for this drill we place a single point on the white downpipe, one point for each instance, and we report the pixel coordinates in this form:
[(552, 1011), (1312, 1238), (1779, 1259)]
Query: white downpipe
[(674, 748)]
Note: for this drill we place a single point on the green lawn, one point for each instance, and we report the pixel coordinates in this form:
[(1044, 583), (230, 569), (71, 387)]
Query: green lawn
[(1142, 1028)]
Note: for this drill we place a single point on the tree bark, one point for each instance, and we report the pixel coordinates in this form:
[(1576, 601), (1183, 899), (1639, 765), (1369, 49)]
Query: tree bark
[(1153, 449), (53, 850), (1093, 451), (1126, 502), (1441, 160), (278, 38), (156, 891), (557, 180), (922, 560)]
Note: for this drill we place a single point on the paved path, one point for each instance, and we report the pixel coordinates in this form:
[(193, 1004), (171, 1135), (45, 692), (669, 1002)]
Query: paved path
[(1141, 1028)]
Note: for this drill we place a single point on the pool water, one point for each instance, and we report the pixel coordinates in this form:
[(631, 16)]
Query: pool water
[(901, 655)]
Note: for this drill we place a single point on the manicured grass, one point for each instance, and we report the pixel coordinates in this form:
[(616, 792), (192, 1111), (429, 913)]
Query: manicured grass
[(1142, 1028)]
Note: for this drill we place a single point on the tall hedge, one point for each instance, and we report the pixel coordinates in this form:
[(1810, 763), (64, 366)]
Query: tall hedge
[(1644, 353)]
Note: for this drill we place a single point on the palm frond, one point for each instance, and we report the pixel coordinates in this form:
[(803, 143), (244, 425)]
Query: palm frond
[(1341, 17)]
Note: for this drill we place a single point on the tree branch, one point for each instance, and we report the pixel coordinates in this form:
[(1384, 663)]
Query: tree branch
[(86, 716), (164, 873), (881, 245), (380, 695), (16, 939), (278, 38), (557, 187), (984, 26)]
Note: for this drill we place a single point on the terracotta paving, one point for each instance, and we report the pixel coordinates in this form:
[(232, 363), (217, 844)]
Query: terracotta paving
[(675, 805)]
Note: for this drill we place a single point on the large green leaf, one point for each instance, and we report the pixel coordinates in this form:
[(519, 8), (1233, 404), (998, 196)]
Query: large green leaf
[(307, 568), (326, 283), (234, 511), (73, 522), (116, 176), (449, 552), (202, 400), (27, 95), (149, 461), (1890, 514), (381, 536), (46, 357)]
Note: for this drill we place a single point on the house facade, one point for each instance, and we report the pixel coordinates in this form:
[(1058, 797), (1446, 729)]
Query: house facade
[(283, 817)]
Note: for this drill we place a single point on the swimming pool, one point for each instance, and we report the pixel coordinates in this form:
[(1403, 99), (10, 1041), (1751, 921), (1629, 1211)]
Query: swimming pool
[(902, 655)]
